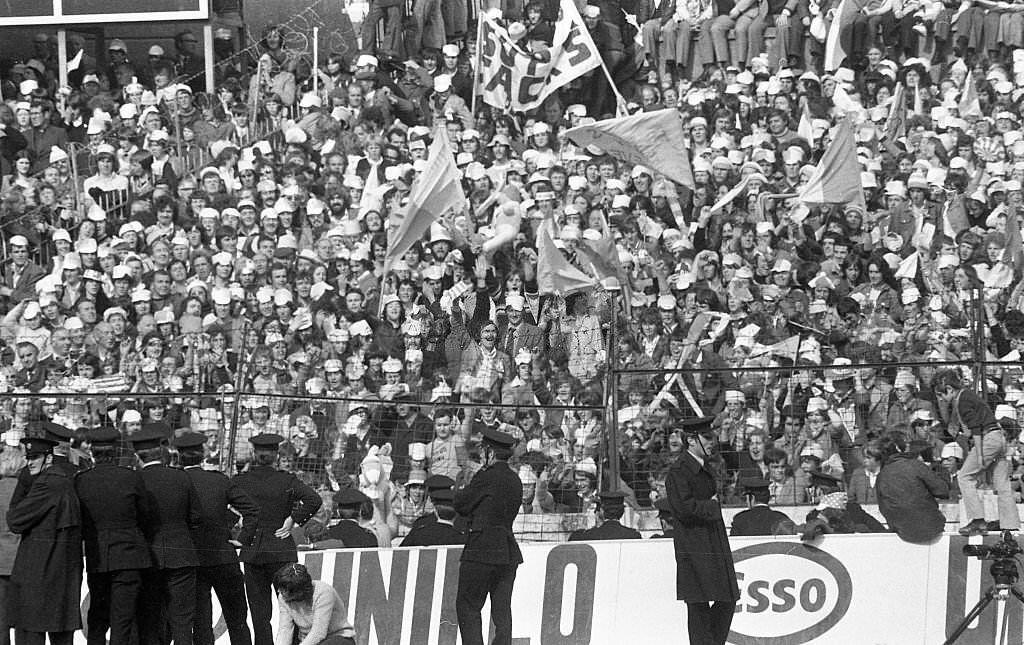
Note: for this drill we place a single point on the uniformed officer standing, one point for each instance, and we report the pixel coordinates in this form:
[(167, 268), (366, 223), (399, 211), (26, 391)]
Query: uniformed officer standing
[(218, 560), (347, 533), (442, 531), (610, 510), (46, 579), (283, 501), (758, 519), (169, 589), (491, 501), (113, 501)]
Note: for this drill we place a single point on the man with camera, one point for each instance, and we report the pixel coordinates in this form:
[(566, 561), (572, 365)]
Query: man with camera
[(969, 413)]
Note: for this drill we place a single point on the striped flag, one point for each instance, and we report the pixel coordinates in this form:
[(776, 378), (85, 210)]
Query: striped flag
[(437, 190), (836, 179)]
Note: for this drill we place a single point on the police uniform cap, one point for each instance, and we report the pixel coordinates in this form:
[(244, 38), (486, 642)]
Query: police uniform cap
[(696, 425), (151, 436), (189, 440), (825, 480), (350, 497), (498, 438), (38, 445), (752, 484), (104, 436), (612, 497), (266, 441), (438, 482), (442, 495), (56, 432)]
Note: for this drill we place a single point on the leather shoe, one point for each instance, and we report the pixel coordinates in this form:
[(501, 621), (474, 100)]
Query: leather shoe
[(975, 527)]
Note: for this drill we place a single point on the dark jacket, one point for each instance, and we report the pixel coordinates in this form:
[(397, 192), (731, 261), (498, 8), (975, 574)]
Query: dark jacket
[(113, 501), (216, 494), (279, 495), (608, 530), (704, 567), (47, 576), (759, 520), (352, 535), (491, 501), (434, 534), (177, 512), (906, 490)]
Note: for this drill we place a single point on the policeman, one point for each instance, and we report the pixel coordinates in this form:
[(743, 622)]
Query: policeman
[(435, 483), (348, 533), (62, 436), (221, 499), (284, 501), (609, 511), (46, 579), (169, 588), (442, 530), (491, 501), (113, 503), (758, 519)]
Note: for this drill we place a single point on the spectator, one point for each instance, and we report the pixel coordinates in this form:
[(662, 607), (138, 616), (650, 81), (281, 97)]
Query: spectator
[(907, 489)]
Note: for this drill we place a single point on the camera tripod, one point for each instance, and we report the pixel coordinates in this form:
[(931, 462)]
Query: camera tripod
[(1004, 573)]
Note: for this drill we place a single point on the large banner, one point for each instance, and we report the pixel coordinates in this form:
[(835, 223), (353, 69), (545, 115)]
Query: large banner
[(76, 12), (514, 78), (871, 589)]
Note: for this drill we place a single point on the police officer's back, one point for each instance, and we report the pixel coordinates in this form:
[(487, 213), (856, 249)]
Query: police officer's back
[(114, 509), (283, 501), (611, 510), (491, 501), (442, 531), (759, 519), (168, 599), (347, 533), (218, 561)]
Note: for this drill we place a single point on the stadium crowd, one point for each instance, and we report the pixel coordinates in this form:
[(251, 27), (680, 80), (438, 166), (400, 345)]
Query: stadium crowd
[(161, 242)]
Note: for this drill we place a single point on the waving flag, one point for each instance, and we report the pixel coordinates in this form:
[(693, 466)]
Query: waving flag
[(836, 179), (555, 275), (969, 104), (648, 138), (437, 190), (895, 125)]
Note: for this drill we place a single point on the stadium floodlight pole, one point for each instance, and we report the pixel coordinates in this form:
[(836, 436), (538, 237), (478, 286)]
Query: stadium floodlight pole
[(614, 289)]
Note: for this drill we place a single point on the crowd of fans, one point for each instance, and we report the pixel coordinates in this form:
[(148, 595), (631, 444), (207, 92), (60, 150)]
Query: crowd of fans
[(164, 242)]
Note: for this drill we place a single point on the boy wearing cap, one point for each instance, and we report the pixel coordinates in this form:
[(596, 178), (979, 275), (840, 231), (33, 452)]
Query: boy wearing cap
[(46, 578)]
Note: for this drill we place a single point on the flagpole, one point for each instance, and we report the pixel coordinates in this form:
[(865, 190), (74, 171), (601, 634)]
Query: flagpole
[(476, 57)]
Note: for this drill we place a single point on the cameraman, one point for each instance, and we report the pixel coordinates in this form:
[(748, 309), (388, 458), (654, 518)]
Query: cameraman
[(969, 413)]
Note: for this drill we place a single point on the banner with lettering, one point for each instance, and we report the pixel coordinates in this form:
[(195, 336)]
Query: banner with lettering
[(867, 588), (512, 77)]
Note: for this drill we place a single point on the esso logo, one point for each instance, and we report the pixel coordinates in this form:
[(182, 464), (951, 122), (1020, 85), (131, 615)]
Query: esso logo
[(790, 593)]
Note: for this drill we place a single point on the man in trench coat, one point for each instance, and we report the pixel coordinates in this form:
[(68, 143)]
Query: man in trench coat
[(705, 576), (47, 574)]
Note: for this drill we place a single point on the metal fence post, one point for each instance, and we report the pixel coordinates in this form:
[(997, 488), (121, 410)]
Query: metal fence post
[(614, 290)]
